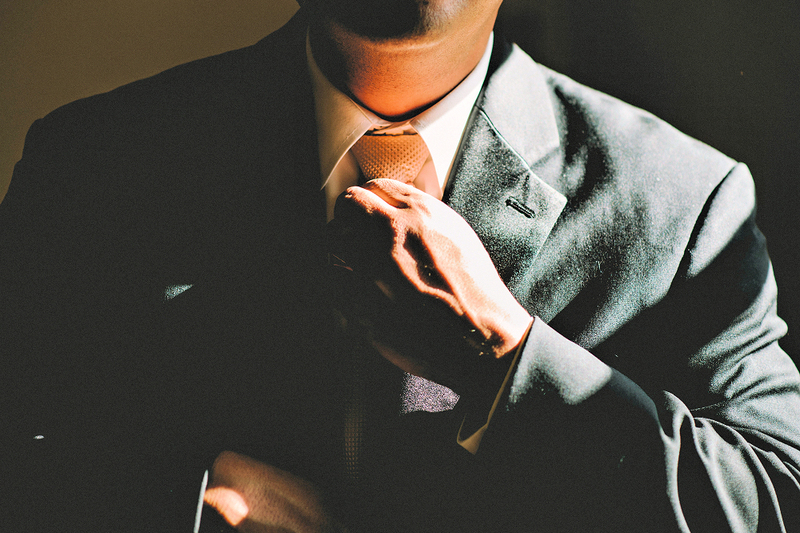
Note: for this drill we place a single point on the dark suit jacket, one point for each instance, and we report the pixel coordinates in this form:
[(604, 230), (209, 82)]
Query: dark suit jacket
[(164, 294)]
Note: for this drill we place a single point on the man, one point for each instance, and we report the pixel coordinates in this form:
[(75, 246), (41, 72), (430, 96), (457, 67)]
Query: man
[(586, 318)]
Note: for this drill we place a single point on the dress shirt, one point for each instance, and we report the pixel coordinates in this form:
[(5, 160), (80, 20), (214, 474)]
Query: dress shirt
[(341, 122)]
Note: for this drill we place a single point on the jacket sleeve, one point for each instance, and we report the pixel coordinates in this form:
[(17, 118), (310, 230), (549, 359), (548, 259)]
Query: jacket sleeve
[(706, 439)]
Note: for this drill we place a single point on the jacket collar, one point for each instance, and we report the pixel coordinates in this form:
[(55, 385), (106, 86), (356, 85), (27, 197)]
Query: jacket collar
[(493, 186), (517, 99)]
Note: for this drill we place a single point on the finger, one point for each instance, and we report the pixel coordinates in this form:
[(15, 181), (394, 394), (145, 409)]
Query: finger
[(393, 192), (228, 503), (357, 207), (361, 231), (366, 200)]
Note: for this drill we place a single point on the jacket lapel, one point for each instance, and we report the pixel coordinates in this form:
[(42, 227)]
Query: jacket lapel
[(512, 128)]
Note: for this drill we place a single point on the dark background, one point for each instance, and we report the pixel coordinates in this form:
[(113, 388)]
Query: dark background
[(725, 71)]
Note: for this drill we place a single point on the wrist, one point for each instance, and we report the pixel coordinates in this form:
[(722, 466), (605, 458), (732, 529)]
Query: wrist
[(491, 366), (507, 335)]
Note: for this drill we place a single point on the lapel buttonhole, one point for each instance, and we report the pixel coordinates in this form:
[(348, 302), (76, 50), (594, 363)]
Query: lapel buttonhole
[(515, 203)]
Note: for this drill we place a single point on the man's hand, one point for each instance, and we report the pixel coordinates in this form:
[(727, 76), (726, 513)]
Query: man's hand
[(443, 302), (258, 498)]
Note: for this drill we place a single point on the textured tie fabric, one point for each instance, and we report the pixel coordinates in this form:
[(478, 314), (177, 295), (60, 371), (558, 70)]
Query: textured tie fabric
[(398, 157), (377, 392)]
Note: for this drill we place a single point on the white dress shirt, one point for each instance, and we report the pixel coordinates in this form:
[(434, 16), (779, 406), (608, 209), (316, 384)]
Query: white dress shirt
[(341, 122)]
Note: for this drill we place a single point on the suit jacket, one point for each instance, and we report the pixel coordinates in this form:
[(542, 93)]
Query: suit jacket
[(165, 297)]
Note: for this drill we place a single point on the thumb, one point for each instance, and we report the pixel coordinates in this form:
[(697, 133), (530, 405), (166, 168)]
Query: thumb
[(228, 503)]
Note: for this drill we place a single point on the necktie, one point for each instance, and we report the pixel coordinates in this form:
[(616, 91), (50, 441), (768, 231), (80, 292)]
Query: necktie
[(372, 394), (378, 392), (398, 157)]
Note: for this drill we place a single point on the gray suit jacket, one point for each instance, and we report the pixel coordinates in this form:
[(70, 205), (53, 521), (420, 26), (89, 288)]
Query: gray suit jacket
[(164, 293)]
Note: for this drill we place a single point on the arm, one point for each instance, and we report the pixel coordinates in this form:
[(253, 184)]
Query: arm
[(714, 443), (706, 439)]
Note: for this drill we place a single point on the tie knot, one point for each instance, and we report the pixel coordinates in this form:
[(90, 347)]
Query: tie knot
[(398, 157)]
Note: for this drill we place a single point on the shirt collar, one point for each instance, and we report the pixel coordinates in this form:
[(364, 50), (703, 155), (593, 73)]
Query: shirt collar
[(341, 121)]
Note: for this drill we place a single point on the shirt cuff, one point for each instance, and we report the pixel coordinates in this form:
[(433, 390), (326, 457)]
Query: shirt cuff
[(472, 442)]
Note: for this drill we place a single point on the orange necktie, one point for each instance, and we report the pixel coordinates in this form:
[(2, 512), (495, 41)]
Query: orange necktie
[(398, 157)]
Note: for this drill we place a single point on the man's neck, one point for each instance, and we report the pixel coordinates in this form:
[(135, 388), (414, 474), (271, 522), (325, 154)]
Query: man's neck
[(397, 79)]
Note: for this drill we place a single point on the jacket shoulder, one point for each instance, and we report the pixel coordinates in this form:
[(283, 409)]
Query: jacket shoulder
[(181, 100), (631, 138)]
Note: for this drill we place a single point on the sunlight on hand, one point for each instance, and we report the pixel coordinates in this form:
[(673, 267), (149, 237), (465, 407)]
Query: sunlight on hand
[(228, 503)]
